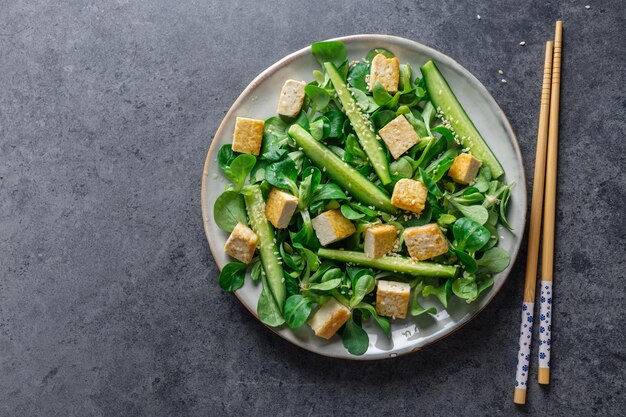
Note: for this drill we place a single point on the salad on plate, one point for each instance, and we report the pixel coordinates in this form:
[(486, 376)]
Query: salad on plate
[(370, 190)]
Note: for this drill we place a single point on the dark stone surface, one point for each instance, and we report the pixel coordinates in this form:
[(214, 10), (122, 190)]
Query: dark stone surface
[(108, 297)]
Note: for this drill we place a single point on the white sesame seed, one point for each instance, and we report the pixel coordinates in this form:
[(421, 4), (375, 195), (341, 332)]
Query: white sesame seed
[(503, 81), (522, 43), (500, 72), (587, 7), (478, 16)]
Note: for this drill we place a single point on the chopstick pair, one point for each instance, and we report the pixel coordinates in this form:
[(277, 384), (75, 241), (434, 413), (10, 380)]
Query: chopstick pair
[(545, 176)]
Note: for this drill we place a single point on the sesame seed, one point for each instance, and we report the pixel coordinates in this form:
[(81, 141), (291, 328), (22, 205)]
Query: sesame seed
[(478, 16), (503, 81), (522, 43), (500, 72), (587, 7)]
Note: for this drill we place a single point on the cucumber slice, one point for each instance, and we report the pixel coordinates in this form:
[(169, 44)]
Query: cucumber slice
[(390, 263), (445, 101), (340, 172), (362, 127)]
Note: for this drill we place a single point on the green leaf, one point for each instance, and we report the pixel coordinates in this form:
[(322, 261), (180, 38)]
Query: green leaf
[(381, 96), (267, 308), (283, 174), (469, 235), (484, 284), (353, 149), (402, 167), (319, 97), (239, 169), (329, 191), (229, 209), (430, 184), (329, 51), (446, 220), (416, 308), (372, 53), (357, 76), (364, 285), (442, 292), (504, 201), (257, 270), (354, 338), (383, 322), (311, 179), (335, 120), (232, 276), (465, 288), (326, 285), (467, 260), (494, 260), (351, 214), (477, 213), (382, 117), (225, 156), (297, 310)]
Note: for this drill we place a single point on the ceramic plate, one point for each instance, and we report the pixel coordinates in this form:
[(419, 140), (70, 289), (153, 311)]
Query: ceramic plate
[(259, 100)]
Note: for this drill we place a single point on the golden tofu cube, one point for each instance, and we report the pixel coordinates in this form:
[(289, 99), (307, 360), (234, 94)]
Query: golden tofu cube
[(331, 226), (329, 318), (386, 71), (392, 298), (291, 98), (464, 168), (280, 207), (380, 240), (425, 242), (248, 135), (241, 243), (399, 136), (409, 195)]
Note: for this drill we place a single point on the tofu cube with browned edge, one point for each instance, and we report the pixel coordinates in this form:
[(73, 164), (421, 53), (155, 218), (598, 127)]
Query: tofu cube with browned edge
[(331, 226), (380, 240), (425, 242), (409, 195), (291, 98), (386, 71), (248, 135), (392, 298), (399, 136), (241, 243), (464, 168), (280, 207), (329, 318)]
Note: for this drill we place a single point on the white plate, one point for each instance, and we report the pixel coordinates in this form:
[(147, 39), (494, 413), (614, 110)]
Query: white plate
[(259, 100)]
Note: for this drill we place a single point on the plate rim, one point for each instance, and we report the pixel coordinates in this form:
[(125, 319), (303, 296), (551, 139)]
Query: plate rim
[(437, 56)]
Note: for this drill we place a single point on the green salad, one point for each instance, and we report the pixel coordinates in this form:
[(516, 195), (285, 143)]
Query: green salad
[(370, 190)]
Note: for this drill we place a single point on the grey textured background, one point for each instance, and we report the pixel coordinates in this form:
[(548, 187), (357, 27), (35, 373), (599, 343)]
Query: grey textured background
[(109, 303)]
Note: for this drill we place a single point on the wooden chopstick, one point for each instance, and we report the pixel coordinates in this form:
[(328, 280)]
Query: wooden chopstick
[(534, 232), (547, 254)]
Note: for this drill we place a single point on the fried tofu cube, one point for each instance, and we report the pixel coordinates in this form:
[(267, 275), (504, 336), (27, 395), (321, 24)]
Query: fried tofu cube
[(464, 168), (241, 243), (291, 98), (425, 242), (248, 135), (409, 195), (331, 226), (386, 71), (399, 136), (280, 207), (392, 298), (380, 240), (329, 318)]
